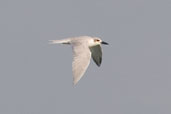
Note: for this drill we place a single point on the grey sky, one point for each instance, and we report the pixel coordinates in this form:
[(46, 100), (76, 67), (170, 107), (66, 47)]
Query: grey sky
[(135, 75)]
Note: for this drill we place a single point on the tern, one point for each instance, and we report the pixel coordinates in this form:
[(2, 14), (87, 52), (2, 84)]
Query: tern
[(84, 47)]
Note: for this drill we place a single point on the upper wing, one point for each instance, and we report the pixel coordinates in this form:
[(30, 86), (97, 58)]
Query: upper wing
[(96, 53), (81, 60)]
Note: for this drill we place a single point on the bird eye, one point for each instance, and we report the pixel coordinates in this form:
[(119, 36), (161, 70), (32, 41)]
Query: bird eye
[(96, 40)]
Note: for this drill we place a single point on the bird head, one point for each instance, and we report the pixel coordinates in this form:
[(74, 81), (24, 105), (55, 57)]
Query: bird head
[(97, 41)]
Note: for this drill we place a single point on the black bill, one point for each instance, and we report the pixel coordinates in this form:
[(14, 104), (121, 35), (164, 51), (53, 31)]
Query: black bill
[(104, 43)]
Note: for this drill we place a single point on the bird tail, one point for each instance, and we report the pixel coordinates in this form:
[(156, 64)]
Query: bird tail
[(66, 41)]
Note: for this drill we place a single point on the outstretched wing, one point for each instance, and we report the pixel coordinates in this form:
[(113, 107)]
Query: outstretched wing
[(96, 53), (81, 60)]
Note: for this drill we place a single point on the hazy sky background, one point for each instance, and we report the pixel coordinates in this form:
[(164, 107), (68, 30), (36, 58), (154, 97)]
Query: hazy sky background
[(135, 75)]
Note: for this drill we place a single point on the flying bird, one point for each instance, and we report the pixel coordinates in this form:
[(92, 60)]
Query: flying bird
[(84, 47)]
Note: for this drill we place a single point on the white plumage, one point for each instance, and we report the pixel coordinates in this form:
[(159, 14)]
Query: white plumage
[(84, 47)]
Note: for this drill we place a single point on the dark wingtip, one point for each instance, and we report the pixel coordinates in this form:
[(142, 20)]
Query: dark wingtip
[(98, 65), (99, 62)]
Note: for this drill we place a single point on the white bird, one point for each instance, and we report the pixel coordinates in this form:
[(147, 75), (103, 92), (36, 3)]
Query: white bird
[(84, 47)]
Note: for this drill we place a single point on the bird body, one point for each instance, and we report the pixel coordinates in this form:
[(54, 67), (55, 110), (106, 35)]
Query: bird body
[(84, 47)]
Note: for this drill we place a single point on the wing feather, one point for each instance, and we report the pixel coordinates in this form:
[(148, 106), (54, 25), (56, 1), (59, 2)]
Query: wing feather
[(96, 53), (81, 60)]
